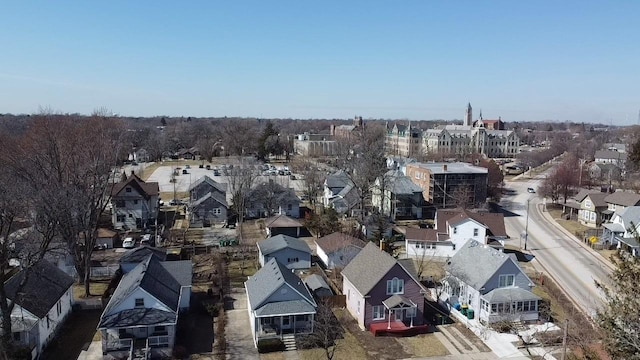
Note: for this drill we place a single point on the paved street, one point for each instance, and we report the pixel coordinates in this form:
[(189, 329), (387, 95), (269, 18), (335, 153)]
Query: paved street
[(574, 266)]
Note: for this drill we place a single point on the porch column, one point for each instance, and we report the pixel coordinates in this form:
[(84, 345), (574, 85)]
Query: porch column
[(294, 325), (298, 231), (415, 312), (389, 323), (280, 328)]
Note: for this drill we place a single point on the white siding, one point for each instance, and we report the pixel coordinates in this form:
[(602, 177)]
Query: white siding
[(464, 230), (354, 298), (323, 257), (48, 328), (149, 302)]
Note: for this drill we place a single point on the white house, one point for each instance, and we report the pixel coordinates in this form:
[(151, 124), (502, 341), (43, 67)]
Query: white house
[(428, 243), (46, 301), (623, 229), (338, 249), (135, 203), (289, 251), (141, 316), (489, 283)]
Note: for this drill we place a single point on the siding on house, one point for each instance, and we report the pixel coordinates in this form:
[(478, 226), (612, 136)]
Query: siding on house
[(508, 268), (285, 257), (355, 302)]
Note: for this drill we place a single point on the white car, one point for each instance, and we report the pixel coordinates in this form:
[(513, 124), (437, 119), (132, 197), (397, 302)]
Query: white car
[(128, 243), (531, 190)]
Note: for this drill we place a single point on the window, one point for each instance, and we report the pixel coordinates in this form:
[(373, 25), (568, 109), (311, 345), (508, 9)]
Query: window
[(395, 286), (485, 305), (122, 333), (135, 202), (130, 215), (216, 211), (358, 308), (475, 231), (587, 204), (593, 216), (455, 230), (292, 259), (411, 312), (506, 280), (139, 302), (128, 189), (48, 322), (159, 329), (378, 312), (59, 307), (120, 218)]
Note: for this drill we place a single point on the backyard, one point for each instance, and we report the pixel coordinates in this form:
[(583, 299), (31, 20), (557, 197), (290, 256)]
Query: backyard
[(76, 334)]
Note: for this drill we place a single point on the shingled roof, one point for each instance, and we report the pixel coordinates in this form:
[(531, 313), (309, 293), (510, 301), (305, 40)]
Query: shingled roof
[(476, 263), (338, 240), (418, 234), (221, 187), (279, 242), (44, 287), (493, 221), (623, 198), (146, 189)]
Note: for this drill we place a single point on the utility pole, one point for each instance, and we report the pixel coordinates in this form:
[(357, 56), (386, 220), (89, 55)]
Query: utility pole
[(564, 339), (526, 226)]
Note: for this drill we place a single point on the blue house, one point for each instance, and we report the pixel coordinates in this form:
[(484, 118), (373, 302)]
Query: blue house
[(289, 251)]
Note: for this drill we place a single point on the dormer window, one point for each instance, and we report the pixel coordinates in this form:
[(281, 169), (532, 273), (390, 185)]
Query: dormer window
[(455, 230), (475, 232), (395, 286)]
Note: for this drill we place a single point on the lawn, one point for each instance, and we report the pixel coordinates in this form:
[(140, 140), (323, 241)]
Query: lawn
[(425, 345), (236, 276), (96, 288), (348, 348)]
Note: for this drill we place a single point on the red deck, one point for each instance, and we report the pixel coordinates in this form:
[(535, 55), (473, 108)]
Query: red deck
[(398, 328)]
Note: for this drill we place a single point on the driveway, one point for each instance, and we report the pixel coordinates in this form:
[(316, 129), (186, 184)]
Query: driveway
[(238, 333)]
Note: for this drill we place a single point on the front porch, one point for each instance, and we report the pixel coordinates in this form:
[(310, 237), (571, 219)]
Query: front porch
[(400, 315), (140, 342), (281, 325)]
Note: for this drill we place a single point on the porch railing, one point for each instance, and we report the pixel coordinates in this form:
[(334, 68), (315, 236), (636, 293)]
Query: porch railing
[(274, 330)]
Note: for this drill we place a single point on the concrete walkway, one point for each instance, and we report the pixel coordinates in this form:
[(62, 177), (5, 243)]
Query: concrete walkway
[(94, 352), (240, 344)]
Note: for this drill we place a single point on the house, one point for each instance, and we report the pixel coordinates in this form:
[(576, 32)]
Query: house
[(204, 186), (489, 284), (134, 203), (454, 227), (318, 287), (269, 198), (622, 230), (207, 202), (611, 157), (593, 209), (604, 172), (289, 251), (621, 200), (283, 224), (340, 193), (395, 195), (133, 257), (41, 304), (279, 303), (140, 320), (336, 250), (382, 293)]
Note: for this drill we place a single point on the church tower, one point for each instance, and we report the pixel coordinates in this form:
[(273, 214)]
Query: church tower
[(468, 116)]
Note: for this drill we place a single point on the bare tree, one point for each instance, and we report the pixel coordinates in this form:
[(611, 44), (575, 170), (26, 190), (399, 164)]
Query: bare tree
[(312, 176), (241, 179), (327, 330)]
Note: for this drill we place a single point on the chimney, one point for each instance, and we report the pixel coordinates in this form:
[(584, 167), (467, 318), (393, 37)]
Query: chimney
[(381, 245), (444, 167)]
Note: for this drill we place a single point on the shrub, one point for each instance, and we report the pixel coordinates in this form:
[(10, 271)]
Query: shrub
[(270, 345)]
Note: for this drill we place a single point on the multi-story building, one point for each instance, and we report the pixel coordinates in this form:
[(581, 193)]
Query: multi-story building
[(135, 203), (444, 184), (486, 137)]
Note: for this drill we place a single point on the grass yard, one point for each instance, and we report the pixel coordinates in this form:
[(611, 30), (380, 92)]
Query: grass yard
[(274, 356), (236, 276), (348, 348), (425, 345), (96, 288)]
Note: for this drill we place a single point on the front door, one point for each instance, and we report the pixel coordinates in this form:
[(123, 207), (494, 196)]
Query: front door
[(398, 314), (286, 322)]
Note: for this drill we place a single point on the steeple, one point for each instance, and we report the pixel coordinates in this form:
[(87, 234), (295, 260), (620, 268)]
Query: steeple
[(468, 116)]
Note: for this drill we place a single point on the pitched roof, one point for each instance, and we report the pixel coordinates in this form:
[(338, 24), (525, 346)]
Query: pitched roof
[(509, 294), (583, 194), (399, 183), (269, 279), (222, 187), (106, 233), (141, 253), (338, 179), (181, 270), (45, 284), (418, 234), (368, 267), (315, 282), (598, 199), (281, 220), (610, 154), (279, 242), (215, 195), (623, 198), (151, 276), (493, 221), (146, 189), (630, 215), (138, 316), (338, 240), (476, 263)]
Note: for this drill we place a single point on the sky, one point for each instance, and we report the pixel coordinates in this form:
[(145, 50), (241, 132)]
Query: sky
[(418, 60)]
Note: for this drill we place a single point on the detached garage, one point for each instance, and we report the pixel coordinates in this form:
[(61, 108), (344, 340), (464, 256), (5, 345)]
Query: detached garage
[(283, 225)]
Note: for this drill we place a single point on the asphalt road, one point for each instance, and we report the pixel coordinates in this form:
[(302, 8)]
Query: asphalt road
[(574, 267)]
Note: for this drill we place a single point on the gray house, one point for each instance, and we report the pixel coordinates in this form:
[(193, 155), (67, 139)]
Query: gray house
[(279, 303), (395, 195), (338, 249), (340, 193), (269, 198), (207, 202), (490, 283), (289, 251), (133, 257)]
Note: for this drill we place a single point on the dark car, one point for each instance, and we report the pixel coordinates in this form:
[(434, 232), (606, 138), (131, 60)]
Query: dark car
[(531, 190)]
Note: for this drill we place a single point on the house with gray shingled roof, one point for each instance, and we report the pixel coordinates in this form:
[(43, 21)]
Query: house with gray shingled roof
[(622, 229), (42, 304), (279, 303), (135, 203), (489, 283), (396, 196), (141, 316), (382, 293), (289, 251), (207, 202), (593, 210)]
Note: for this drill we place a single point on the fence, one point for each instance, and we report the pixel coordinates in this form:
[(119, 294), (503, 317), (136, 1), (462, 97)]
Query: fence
[(104, 271)]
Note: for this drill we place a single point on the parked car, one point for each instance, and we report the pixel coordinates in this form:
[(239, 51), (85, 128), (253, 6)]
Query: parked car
[(184, 172), (128, 243), (531, 190), (216, 172), (146, 240)]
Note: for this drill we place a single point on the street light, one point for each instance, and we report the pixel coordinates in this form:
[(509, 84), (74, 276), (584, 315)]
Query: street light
[(526, 226)]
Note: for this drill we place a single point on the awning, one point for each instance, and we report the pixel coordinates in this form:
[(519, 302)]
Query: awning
[(397, 301), (572, 205)]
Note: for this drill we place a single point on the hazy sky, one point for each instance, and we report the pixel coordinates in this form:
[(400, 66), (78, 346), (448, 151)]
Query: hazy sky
[(522, 60)]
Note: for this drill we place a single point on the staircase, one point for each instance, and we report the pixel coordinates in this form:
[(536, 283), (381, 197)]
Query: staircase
[(289, 342)]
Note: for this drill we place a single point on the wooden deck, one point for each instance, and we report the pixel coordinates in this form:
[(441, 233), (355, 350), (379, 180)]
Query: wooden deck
[(397, 328)]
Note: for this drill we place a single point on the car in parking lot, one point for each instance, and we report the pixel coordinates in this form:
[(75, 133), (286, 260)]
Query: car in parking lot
[(128, 243), (531, 190)]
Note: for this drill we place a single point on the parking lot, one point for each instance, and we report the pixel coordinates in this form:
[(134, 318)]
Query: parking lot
[(162, 175)]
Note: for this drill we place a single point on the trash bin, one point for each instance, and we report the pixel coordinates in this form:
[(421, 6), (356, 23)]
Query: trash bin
[(470, 314), (463, 310)]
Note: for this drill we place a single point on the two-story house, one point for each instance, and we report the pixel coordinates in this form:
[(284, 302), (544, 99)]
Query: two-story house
[(396, 196), (383, 294), (134, 203), (622, 230), (593, 208), (207, 202), (270, 198), (487, 283), (621, 200), (340, 193), (289, 251)]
